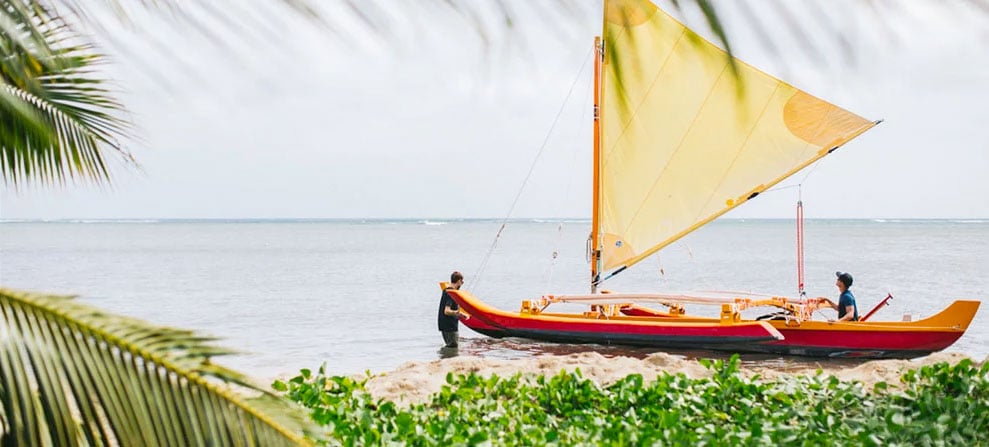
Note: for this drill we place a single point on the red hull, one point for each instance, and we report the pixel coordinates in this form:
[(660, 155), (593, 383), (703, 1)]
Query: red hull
[(858, 339), (670, 333)]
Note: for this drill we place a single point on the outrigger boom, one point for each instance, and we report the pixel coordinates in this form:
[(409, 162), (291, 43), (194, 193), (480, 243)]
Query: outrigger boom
[(800, 308)]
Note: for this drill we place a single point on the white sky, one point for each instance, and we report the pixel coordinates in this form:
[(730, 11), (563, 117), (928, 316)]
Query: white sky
[(428, 122)]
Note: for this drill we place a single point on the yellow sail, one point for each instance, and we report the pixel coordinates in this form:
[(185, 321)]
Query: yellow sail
[(681, 144)]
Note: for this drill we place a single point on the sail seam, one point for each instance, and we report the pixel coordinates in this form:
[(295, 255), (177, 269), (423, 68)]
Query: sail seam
[(652, 84), (738, 153), (678, 147)]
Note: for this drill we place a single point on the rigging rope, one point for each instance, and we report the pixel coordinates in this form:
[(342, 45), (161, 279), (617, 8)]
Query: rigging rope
[(800, 244), (559, 228), (798, 184), (532, 167), (800, 227), (556, 254)]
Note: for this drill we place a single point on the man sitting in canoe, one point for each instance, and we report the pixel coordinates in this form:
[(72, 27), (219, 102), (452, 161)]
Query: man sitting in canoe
[(846, 307)]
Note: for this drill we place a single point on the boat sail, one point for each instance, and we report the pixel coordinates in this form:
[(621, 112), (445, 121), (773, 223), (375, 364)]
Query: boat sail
[(683, 133), (687, 133)]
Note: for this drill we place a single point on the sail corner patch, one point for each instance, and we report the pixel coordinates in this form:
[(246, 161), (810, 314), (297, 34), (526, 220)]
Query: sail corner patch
[(616, 250), (818, 122), (629, 12)]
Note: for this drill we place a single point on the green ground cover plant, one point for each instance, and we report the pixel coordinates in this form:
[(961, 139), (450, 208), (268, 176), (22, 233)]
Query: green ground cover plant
[(940, 404)]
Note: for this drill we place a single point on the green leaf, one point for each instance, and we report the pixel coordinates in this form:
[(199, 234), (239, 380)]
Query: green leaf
[(477, 438), (898, 419), (59, 120), (131, 383)]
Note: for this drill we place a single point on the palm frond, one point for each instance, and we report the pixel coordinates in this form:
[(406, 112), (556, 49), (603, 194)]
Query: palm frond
[(58, 118), (71, 374)]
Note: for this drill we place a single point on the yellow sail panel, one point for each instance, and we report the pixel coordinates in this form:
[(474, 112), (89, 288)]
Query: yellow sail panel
[(681, 143)]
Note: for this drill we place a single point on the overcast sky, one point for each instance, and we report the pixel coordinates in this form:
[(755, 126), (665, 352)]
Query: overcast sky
[(427, 120)]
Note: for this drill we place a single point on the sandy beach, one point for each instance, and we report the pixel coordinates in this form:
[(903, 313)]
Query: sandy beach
[(414, 382)]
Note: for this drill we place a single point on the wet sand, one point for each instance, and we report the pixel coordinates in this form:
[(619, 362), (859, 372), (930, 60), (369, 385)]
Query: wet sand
[(414, 382)]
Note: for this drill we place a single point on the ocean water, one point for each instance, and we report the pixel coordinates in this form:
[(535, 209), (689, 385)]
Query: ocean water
[(363, 295)]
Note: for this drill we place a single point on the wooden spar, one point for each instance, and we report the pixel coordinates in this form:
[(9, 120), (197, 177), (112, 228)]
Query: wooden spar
[(678, 297), (802, 306), (596, 196)]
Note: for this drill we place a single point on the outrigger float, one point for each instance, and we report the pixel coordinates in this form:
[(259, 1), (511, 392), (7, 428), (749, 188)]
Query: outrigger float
[(684, 133)]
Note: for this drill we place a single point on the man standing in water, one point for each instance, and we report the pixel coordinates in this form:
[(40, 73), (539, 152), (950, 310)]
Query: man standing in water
[(846, 307), (449, 314)]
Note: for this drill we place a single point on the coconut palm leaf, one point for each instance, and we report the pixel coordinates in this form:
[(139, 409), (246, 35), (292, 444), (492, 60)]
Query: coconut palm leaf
[(73, 375), (58, 118)]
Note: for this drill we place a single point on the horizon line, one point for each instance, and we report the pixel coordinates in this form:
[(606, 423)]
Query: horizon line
[(442, 219)]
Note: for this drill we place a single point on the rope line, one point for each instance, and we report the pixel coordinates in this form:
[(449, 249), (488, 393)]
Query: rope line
[(554, 256), (532, 167), (800, 245)]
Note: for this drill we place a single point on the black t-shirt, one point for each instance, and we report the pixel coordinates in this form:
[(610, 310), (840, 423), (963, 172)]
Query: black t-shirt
[(447, 323), (847, 299)]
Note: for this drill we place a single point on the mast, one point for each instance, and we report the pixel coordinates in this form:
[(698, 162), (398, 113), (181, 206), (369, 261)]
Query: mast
[(596, 195)]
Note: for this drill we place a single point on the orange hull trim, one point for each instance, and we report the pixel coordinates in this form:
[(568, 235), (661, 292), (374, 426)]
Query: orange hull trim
[(871, 339)]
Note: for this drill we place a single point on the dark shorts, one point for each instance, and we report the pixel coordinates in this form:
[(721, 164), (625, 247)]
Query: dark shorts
[(450, 338)]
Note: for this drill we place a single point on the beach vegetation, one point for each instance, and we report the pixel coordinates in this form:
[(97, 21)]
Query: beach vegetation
[(939, 404)]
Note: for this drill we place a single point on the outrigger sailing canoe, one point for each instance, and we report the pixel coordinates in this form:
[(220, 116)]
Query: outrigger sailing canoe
[(683, 133)]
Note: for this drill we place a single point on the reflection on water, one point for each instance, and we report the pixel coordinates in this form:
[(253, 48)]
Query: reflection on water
[(519, 348), (447, 352)]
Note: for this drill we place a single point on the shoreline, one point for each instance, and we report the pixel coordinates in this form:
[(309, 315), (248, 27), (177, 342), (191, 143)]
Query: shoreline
[(414, 382)]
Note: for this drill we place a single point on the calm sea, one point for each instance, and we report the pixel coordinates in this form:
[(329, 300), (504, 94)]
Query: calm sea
[(363, 295)]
